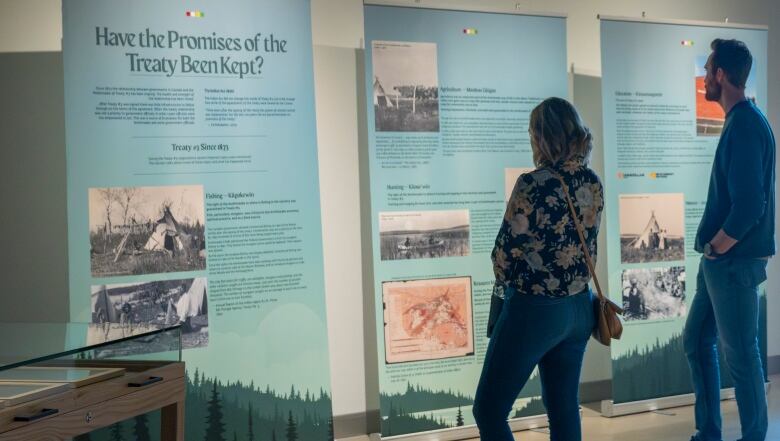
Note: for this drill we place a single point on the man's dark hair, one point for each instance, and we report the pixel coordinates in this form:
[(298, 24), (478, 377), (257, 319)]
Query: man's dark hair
[(734, 58)]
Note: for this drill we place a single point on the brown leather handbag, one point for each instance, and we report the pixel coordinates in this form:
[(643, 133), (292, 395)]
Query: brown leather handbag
[(608, 324)]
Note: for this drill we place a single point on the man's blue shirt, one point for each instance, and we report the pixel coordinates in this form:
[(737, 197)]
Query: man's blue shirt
[(741, 197)]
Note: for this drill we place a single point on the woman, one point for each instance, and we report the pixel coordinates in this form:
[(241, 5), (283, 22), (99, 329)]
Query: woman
[(541, 273)]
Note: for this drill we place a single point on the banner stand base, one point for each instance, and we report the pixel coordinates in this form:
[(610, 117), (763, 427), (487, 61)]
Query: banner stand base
[(466, 432), (609, 409)]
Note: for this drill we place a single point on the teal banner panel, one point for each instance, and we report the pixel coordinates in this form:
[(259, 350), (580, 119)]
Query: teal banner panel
[(193, 198), (449, 95), (660, 136)]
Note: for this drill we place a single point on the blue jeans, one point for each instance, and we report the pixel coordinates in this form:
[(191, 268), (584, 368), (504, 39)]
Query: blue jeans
[(535, 330), (726, 304)]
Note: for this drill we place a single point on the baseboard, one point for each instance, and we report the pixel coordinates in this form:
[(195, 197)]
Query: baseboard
[(354, 438), (609, 409), (352, 427), (357, 425), (466, 432), (594, 391), (773, 365)]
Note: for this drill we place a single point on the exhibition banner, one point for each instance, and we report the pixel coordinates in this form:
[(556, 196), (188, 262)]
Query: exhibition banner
[(660, 136), (193, 198), (449, 95)]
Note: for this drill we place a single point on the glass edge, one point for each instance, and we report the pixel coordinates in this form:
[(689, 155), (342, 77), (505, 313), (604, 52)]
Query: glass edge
[(34, 360)]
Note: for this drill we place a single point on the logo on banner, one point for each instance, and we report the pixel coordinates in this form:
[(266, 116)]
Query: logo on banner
[(621, 175), (194, 14), (687, 43), (470, 31)]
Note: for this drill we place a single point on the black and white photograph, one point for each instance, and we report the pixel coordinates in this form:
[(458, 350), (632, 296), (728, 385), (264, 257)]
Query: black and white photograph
[(146, 230), (406, 86), (424, 234), (654, 293), (652, 227), (124, 310)]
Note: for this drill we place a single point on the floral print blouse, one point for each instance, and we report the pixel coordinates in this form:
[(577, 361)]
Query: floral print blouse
[(538, 250)]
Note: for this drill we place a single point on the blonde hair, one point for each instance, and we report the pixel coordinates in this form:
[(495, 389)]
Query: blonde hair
[(558, 133)]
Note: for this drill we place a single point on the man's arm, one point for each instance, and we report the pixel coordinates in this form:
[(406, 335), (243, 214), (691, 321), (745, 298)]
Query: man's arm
[(722, 242)]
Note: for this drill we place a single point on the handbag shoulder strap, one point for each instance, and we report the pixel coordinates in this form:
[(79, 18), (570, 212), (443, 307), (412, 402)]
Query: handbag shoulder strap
[(583, 242)]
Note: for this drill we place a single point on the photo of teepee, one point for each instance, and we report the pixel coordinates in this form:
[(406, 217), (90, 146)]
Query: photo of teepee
[(652, 228), (146, 230)]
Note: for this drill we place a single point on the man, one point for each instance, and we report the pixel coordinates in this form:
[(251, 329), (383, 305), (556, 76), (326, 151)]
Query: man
[(635, 303), (736, 236), (125, 319)]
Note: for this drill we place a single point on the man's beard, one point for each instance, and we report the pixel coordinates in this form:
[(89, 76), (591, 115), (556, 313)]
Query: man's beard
[(713, 92)]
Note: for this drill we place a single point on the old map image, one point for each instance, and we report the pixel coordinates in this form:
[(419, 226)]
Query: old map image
[(428, 319)]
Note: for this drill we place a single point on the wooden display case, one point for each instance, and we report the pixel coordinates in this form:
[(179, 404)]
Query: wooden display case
[(144, 387), (121, 383)]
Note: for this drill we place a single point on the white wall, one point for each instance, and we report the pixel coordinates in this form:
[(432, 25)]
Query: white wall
[(33, 228), (35, 25), (337, 135), (30, 25)]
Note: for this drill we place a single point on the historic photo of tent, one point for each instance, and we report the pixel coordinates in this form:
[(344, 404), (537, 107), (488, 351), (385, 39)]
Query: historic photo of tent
[(122, 310), (652, 227), (654, 293), (710, 117), (406, 86), (510, 179), (424, 234), (428, 319), (146, 230)]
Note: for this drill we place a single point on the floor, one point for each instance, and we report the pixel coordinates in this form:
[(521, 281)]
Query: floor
[(667, 425)]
